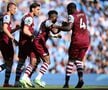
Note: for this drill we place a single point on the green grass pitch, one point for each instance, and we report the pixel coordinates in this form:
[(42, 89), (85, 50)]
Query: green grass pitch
[(58, 87)]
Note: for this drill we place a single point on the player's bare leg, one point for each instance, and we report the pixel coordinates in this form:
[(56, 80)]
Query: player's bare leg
[(69, 69), (42, 71), (79, 65)]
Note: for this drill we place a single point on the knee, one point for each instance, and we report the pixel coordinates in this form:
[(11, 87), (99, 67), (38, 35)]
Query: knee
[(33, 62), (47, 59), (48, 62)]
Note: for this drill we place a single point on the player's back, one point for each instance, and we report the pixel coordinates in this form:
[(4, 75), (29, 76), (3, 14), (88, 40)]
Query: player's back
[(80, 35)]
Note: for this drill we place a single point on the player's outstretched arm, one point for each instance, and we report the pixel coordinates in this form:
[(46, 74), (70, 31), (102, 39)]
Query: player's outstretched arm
[(66, 27)]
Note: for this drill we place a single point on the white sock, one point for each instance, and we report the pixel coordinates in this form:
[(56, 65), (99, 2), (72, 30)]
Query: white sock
[(0, 69), (39, 76), (25, 75)]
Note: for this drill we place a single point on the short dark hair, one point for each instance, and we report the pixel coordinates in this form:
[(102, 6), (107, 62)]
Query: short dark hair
[(10, 4), (52, 12), (34, 5), (71, 5)]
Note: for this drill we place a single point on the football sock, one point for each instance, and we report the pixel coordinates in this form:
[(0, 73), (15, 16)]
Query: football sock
[(2, 67), (79, 65), (80, 74), (29, 70), (67, 80), (42, 71), (18, 71), (69, 69), (39, 76), (7, 75)]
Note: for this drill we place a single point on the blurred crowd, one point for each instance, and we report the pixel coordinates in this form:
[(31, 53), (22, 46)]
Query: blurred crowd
[(96, 59)]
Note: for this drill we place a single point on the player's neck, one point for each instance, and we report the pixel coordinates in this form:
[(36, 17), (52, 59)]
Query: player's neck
[(31, 14), (9, 13)]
